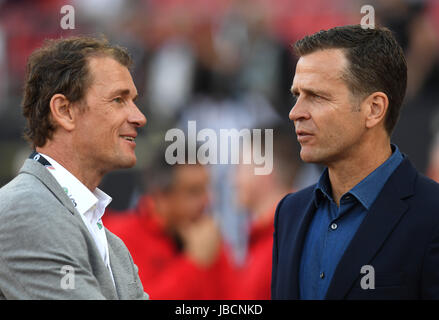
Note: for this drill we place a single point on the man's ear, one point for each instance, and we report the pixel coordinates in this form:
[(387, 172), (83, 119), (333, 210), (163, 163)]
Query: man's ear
[(376, 106), (62, 112)]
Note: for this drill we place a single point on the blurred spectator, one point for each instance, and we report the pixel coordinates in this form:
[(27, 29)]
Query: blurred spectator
[(174, 242), (433, 163), (259, 195), (238, 81), (170, 77), (27, 23), (3, 73), (413, 26), (225, 111), (433, 159), (244, 40), (415, 31)]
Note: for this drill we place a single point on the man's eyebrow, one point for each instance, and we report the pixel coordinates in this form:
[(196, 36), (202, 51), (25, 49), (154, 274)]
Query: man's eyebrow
[(123, 92), (308, 91)]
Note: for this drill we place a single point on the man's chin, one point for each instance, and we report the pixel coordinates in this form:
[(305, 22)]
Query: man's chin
[(309, 157), (127, 162), (131, 163)]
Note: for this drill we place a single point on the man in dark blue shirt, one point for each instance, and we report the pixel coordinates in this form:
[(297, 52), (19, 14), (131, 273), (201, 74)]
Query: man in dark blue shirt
[(325, 246), (369, 229)]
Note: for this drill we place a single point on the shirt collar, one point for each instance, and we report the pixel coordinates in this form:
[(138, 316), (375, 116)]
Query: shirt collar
[(367, 190), (82, 198), (322, 189)]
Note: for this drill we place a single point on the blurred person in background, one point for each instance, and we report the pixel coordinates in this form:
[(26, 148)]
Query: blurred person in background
[(414, 29), (413, 25), (433, 158), (259, 195), (240, 72), (433, 163), (173, 239)]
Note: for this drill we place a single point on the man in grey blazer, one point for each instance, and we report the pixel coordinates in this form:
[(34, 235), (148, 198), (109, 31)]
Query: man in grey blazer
[(82, 123)]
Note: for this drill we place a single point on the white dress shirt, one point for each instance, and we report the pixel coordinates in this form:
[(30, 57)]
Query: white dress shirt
[(90, 205)]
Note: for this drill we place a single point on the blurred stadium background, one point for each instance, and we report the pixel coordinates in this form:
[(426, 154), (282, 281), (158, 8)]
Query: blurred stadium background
[(224, 63)]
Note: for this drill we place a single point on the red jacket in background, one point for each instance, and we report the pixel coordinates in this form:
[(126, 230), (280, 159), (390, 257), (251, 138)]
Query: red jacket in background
[(166, 272), (254, 278)]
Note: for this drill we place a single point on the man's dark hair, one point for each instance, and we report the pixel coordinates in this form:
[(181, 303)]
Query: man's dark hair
[(376, 62), (60, 66)]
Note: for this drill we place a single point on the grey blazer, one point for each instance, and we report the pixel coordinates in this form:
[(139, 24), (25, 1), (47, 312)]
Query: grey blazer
[(47, 252)]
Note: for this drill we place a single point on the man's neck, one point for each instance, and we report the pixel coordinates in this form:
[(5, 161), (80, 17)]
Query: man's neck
[(347, 173), (76, 166)]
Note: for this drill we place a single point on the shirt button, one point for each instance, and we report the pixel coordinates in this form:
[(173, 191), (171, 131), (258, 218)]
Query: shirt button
[(322, 275), (334, 226)]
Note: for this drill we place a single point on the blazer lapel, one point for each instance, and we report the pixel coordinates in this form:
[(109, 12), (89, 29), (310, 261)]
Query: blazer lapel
[(298, 245), (382, 218), (118, 274)]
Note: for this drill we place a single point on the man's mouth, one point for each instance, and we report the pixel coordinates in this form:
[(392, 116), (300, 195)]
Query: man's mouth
[(129, 138), (303, 136)]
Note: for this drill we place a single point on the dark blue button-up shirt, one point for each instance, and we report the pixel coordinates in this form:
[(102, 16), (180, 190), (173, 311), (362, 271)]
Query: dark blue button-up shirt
[(332, 228)]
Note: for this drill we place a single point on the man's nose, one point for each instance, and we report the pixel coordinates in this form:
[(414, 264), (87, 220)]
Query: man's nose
[(299, 111), (137, 117)]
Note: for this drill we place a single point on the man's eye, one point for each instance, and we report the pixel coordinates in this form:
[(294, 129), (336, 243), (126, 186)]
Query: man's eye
[(316, 97), (118, 100)]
